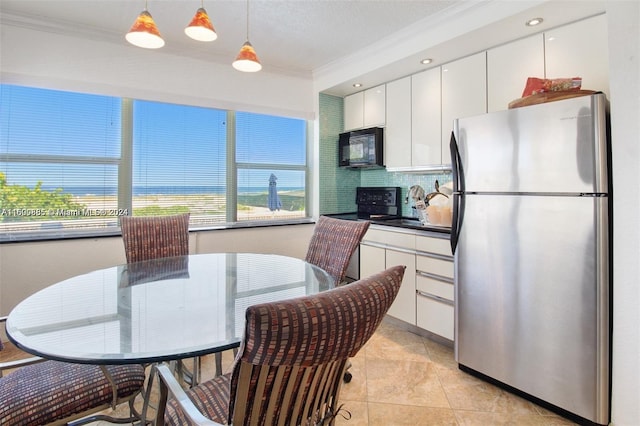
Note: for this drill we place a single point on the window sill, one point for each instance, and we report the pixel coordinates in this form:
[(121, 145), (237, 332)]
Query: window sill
[(52, 235)]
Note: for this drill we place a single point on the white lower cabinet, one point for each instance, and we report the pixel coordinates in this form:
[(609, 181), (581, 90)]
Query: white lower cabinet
[(426, 297), (380, 250), (404, 307), (434, 286), (434, 305)]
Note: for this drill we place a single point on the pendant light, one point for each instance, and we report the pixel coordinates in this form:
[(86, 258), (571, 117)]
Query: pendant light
[(247, 59), (144, 33), (201, 28)]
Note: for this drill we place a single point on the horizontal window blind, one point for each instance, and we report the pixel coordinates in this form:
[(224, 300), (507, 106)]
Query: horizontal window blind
[(271, 167), (59, 156), (179, 161), (74, 162)]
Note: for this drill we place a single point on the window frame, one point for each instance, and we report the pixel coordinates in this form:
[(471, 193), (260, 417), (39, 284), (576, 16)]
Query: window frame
[(125, 166)]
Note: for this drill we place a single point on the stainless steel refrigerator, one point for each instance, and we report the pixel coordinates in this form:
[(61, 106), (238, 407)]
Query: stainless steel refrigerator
[(531, 237)]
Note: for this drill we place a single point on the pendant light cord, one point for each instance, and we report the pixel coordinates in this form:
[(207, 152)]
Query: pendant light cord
[(247, 20)]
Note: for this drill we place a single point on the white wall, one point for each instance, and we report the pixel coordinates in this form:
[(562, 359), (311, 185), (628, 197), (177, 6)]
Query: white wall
[(32, 58), (624, 71)]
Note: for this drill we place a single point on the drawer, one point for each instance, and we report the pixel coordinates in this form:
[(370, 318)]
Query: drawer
[(435, 266), (434, 245), (435, 287), (397, 239), (434, 316)]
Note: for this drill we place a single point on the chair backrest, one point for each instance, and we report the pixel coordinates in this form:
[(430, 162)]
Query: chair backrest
[(153, 237), (291, 361), (333, 243)]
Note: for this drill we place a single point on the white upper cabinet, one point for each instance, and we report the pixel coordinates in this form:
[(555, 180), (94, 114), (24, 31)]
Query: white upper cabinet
[(354, 111), (509, 66), (413, 121), (580, 50), (375, 106), (464, 93), (420, 109), (365, 109), (397, 138), (425, 118)]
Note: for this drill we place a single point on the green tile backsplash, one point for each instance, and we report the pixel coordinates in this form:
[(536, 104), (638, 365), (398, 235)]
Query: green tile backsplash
[(338, 185)]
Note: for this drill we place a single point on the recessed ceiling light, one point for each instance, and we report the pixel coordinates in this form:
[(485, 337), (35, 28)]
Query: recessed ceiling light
[(533, 22), (426, 61), (357, 84)]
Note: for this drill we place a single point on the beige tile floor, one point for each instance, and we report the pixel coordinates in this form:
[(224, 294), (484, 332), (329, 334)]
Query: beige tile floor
[(400, 378)]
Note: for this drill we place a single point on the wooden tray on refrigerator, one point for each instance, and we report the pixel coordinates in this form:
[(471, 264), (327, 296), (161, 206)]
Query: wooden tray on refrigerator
[(540, 98)]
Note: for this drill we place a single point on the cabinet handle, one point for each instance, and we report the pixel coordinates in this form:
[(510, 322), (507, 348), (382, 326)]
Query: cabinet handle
[(435, 277), (388, 247), (436, 298), (435, 255)]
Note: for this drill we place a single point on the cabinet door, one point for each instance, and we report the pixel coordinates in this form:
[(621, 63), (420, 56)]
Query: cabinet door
[(354, 111), (426, 119), (580, 50), (464, 93), (372, 260), (508, 68), (404, 307), (397, 142), (375, 106), (436, 316)]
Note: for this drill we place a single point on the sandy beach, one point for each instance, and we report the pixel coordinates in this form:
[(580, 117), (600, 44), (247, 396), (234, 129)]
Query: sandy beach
[(197, 204)]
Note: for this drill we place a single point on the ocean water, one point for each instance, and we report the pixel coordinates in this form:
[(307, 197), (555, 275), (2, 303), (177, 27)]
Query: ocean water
[(164, 190)]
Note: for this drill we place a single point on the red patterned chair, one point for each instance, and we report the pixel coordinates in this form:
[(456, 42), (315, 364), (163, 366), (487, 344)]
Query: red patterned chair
[(157, 237), (333, 243), (153, 237), (291, 360), (38, 392)]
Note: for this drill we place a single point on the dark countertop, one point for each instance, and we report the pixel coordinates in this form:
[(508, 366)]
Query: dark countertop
[(411, 223), (398, 222)]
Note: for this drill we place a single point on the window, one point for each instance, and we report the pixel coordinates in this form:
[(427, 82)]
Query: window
[(271, 166), (72, 161), (59, 156), (179, 161)]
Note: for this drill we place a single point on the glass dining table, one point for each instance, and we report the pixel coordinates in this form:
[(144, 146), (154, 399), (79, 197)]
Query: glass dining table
[(159, 310)]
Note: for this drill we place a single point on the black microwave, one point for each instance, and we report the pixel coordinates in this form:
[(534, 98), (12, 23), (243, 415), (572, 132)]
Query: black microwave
[(361, 148)]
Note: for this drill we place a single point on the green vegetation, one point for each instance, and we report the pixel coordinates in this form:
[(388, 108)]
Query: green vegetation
[(20, 203)]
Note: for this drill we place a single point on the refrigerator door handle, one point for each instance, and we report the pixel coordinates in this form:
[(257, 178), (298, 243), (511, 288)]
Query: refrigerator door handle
[(458, 192)]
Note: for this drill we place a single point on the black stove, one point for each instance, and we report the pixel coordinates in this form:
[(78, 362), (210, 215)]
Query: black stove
[(375, 202), (378, 202)]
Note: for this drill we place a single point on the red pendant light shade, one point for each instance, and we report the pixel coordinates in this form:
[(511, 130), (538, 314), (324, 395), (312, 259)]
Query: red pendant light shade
[(144, 33), (247, 60), (201, 28)]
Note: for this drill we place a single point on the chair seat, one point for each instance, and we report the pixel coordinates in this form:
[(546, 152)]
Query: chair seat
[(28, 392), (211, 398)]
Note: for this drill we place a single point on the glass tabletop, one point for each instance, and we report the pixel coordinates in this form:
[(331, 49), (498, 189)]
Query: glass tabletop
[(157, 310)]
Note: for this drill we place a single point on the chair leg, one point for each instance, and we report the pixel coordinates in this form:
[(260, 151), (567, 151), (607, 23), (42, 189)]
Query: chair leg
[(218, 359), (218, 356), (347, 376)]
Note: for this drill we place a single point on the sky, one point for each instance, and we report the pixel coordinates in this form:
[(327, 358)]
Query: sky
[(174, 145)]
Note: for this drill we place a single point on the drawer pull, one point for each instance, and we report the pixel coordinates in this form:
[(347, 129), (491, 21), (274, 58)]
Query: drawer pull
[(435, 277), (388, 247), (436, 298), (435, 255)]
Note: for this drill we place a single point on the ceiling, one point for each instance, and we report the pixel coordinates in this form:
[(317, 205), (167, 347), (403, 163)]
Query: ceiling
[(299, 37), (295, 36)]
